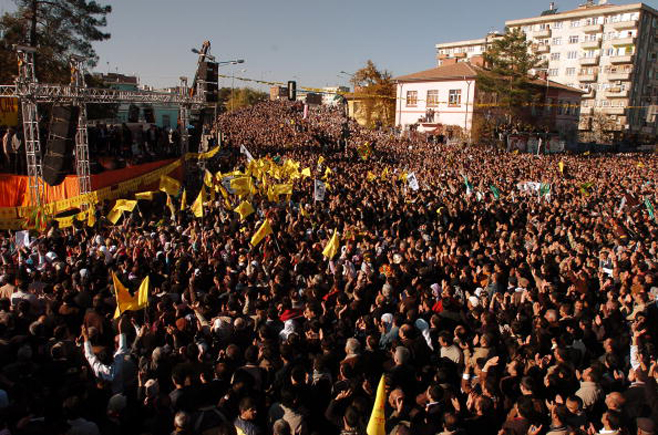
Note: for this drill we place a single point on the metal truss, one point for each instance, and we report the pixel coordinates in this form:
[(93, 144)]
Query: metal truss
[(31, 93)]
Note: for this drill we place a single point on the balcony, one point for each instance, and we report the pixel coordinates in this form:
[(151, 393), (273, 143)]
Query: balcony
[(624, 25), (628, 58), (623, 41), (589, 60), (587, 78), (589, 95), (541, 48), (546, 33), (616, 93), (591, 44), (614, 110), (592, 28), (647, 130), (623, 76), (460, 55)]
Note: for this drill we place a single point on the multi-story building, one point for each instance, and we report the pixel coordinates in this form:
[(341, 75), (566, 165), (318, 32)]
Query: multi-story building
[(609, 51), (464, 51)]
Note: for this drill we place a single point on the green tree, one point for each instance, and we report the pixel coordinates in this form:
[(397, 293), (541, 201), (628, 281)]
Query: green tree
[(243, 97), (508, 61), (58, 29), (374, 91)]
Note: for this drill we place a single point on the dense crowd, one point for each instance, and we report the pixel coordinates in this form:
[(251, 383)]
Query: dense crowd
[(490, 304)]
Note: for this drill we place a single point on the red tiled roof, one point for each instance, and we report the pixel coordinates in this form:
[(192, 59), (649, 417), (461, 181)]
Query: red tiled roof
[(453, 71)]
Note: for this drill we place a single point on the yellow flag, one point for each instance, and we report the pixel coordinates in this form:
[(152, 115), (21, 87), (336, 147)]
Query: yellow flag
[(640, 165), (320, 160), (125, 205), (306, 172), (262, 232), (561, 167), (327, 172), (114, 215), (197, 205), (587, 153), (376, 425), (241, 185), (244, 209), (331, 249), (283, 189), (371, 176), (170, 204), (208, 178), (91, 218), (126, 302), (147, 196), (303, 211), (169, 185), (384, 173), (222, 190), (183, 200)]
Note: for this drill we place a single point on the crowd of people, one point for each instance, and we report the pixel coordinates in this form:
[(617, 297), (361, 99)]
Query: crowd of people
[(487, 305)]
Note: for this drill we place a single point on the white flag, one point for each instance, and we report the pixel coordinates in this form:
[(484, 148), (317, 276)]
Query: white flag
[(319, 190), (622, 204), (413, 182), (245, 151)]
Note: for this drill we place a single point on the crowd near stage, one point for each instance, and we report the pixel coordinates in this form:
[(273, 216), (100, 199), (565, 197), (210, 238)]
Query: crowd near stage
[(312, 276)]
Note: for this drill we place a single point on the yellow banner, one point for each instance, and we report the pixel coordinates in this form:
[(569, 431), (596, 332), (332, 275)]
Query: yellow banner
[(9, 112)]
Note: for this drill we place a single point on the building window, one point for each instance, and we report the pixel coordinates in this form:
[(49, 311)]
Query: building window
[(572, 55), (552, 72), (557, 41), (432, 98), (571, 71), (573, 39), (558, 24), (412, 98), (455, 97), (575, 23)]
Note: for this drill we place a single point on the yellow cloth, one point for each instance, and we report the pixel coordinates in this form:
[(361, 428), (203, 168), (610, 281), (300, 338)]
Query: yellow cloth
[(170, 204), (561, 167), (283, 189), (169, 185), (114, 215), (208, 179), (331, 249), (244, 209), (125, 205), (183, 200), (91, 219), (126, 302), (147, 196), (306, 172), (377, 420), (264, 230), (197, 205)]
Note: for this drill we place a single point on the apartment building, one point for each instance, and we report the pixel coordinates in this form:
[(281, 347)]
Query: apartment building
[(464, 51), (609, 51)]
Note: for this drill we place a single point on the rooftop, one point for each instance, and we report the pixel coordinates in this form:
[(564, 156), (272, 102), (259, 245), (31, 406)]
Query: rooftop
[(583, 11), (465, 70)]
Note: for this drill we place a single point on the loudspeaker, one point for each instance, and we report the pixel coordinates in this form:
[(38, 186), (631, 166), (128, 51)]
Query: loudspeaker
[(211, 93), (292, 90), (57, 159), (209, 72)]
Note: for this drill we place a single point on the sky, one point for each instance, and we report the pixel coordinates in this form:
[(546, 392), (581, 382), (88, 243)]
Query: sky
[(309, 41)]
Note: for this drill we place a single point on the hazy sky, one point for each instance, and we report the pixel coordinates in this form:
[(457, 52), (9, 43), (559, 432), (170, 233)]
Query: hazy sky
[(309, 41)]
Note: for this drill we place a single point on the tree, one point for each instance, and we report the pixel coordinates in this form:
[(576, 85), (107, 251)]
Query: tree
[(601, 129), (508, 61), (374, 91), (58, 29), (243, 97)]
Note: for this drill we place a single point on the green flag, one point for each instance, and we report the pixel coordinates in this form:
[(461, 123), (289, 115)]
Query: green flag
[(496, 192), (544, 189), (650, 209), (469, 186)]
